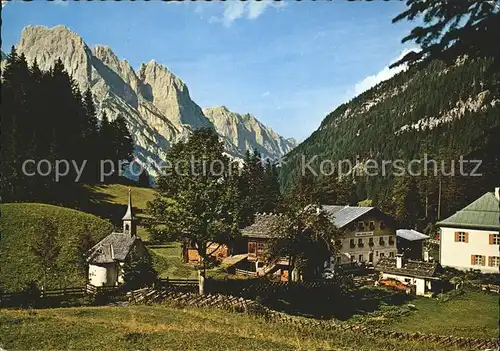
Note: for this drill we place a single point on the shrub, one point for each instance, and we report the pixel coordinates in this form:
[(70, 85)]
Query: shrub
[(138, 270), (450, 295)]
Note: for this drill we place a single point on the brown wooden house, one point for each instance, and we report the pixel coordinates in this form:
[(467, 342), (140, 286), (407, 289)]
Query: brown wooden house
[(258, 236), (218, 251)]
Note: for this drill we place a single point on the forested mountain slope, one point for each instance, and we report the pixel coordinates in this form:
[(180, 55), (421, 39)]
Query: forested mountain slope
[(442, 111)]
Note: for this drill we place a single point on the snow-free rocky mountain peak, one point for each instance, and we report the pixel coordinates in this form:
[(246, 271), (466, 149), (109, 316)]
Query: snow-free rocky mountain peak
[(156, 104), (245, 132)]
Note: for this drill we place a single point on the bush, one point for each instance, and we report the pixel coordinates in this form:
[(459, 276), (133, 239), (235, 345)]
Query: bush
[(450, 295), (138, 270)]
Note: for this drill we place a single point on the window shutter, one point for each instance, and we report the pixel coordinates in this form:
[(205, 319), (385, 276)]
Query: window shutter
[(491, 239), (483, 263), (490, 260), (456, 236), (466, 237), (472, 259)]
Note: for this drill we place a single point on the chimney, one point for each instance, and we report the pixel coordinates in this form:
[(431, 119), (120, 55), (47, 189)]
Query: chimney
[(399, 261), (112, 251), (497, 193), (426, 255)]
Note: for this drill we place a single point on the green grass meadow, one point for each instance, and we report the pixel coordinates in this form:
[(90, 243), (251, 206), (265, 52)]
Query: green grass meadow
[(19, 223), (167, 328)]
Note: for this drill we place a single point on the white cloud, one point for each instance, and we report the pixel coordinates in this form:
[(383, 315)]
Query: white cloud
[(384, 74), (266, 94), (234, 10), (60, 2)]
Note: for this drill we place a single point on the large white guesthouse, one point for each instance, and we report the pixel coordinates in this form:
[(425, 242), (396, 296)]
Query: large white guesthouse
[(470, 238)]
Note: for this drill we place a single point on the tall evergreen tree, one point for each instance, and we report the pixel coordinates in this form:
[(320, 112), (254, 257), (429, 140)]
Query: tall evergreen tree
[(90, 134), (452, 29), (122, 142)]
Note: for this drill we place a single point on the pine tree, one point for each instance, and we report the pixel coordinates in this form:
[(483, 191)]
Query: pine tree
[(122, 142), (144, 178), (90, 133), (303, 193), (452, 29), (106, 135), (271, 188)]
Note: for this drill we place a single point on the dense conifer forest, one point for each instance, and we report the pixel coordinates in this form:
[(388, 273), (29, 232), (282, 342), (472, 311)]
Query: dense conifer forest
[(444, 111), (45, 116)]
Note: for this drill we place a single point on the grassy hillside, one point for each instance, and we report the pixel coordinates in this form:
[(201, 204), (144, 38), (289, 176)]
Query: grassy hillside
[(20, 224), (167, 328), (110, 201)]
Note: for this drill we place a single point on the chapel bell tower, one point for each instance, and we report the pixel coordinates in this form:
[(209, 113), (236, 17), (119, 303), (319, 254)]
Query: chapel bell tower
[(129, 220)]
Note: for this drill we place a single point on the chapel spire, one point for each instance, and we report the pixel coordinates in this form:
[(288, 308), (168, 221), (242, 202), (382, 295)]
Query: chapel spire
[(129, 219)]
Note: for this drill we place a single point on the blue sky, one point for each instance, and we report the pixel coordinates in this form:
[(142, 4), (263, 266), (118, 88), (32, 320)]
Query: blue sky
[(288, 63)]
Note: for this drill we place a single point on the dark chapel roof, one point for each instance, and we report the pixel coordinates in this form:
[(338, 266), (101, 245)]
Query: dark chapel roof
[(114, 247)]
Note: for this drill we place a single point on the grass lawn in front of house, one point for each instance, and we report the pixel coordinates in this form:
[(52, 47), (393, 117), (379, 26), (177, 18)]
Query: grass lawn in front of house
[(474, 314), (175, 267)]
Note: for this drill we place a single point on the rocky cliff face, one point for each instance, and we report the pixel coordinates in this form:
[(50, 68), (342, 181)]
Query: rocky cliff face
[(155, 103), (245, 132)]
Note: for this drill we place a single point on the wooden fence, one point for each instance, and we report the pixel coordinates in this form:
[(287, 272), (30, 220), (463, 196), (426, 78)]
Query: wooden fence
[(238, 304), (251, 288), (30, 297)]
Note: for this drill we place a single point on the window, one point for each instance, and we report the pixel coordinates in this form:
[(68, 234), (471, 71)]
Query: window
[(361, 225), (376, 253), (461, 237), (352, 258), (370, 242), (494, 239), (260, 247), (391, 240), (391, 254), (360, 258), (381, 241), (372, 225), (477, 260), (360, 242), (407, 280), (352, 243), (338, 244), (251, 247), (494, 261), (382, 225), (382, 254), (127, 228)]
